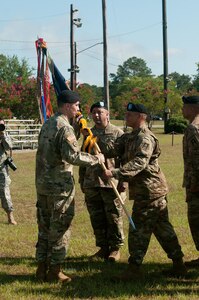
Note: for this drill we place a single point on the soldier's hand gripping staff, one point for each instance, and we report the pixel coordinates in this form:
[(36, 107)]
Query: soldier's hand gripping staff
[(89, 143)]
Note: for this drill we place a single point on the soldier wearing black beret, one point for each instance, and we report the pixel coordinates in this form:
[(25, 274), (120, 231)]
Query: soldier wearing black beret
[(99, 104), (191, 167), (103, 206), (139, 152), (140, 108), (57, 152)]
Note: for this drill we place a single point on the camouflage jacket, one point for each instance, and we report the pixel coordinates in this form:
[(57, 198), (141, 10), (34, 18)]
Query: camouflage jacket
[(191, 156), (5, 145), (91, 176), (57, 152), (139, 152)]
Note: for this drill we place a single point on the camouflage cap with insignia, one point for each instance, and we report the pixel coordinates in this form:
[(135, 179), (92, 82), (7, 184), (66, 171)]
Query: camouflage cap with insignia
[(190, 99)]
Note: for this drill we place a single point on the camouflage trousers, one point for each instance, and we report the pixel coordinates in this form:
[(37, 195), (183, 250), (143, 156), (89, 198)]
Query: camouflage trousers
[(152, 218), (193, 216), (5, 196), (54, 217), (106, 217)]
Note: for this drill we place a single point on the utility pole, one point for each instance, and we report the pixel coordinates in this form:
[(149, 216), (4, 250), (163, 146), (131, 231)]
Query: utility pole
[(106, 83), (76, 69), (165, 62), (73, 67)]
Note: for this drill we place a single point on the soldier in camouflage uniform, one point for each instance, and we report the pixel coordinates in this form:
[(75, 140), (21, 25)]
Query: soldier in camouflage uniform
[(57, 152), (104, 208), (5, 196), (191, 167), (139, 151)]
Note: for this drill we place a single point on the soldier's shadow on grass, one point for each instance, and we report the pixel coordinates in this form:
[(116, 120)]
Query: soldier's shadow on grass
[(97, 279), (93, 279), (17, 269)]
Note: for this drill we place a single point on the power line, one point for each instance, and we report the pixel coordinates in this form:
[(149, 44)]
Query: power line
[(134, 31), (89, 40), (30, 19), (90, 47), (14, 41)]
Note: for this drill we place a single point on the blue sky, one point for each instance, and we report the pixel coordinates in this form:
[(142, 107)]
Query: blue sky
[(134, 28)]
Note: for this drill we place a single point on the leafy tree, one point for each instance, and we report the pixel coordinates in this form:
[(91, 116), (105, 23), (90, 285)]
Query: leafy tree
[(146, 90), (183, 82), (11, 69), (196, 79), (176, 124), (133, 66), (89, 94), (20, 99)]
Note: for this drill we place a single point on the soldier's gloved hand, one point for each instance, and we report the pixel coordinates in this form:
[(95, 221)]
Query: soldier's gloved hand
[(101, 158)]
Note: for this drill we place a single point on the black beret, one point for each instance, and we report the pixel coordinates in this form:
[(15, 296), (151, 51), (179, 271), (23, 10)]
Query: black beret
[(68, 96), (137, 108), (190, 99), (99, 104)]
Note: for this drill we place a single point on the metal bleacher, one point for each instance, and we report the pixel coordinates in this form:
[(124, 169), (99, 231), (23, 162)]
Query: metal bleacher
[(24, 133)]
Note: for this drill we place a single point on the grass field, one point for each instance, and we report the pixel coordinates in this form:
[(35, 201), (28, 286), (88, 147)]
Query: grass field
[(91, 280)]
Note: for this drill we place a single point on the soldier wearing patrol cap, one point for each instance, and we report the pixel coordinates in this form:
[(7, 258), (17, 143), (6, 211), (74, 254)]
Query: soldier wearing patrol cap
[(103, 206), (57, 152), (139, 152), (191, 168)]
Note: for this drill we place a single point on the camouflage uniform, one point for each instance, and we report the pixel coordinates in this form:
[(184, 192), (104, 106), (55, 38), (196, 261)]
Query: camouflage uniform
[(104, 208), (191, 178), (139, 152), (58, 150), (6, 201)]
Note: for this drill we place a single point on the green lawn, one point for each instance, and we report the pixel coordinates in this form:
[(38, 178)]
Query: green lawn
[(91, 280)]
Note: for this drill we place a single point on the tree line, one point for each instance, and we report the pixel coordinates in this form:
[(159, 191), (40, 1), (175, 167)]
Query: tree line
[(133, 81)]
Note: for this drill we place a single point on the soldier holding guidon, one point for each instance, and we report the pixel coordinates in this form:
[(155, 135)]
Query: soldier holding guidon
[(57, 152)]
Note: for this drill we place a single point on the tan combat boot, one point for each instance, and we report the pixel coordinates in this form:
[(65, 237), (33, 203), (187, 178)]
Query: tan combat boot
[(11, 219), (41, 271), (114, 255), (55, 274)]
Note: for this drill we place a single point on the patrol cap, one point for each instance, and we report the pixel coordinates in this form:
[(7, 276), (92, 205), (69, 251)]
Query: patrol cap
[(190, 99), (99, 104), (137, 108), (68, 96)]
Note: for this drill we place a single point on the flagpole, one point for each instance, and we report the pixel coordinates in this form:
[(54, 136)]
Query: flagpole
[(106, 83), (165, 62)]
